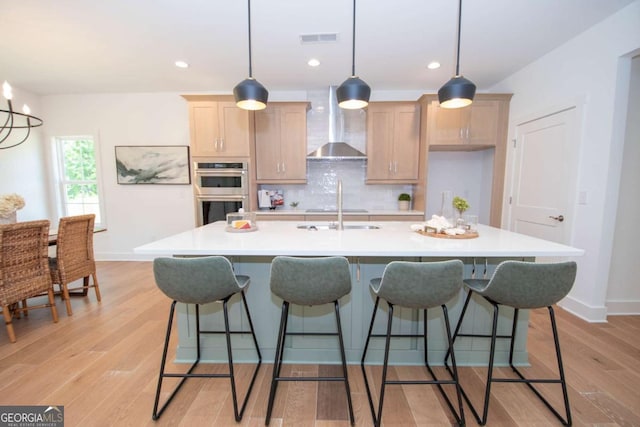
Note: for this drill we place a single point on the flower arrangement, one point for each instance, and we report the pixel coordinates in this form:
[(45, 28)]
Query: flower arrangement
[(460, 204), (9, 203)]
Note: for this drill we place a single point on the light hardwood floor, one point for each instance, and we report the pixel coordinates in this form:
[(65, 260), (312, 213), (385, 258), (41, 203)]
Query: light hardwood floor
[(102, 365)]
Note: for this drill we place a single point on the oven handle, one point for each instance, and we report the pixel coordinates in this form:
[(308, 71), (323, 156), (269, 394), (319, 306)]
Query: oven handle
[(221, 172), (222, 198)]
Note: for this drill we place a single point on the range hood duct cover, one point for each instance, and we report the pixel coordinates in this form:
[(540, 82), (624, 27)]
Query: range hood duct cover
[(336, 149)]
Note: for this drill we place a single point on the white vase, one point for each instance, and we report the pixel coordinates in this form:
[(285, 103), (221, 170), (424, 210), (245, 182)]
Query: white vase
[(404, 205), (11, 219)]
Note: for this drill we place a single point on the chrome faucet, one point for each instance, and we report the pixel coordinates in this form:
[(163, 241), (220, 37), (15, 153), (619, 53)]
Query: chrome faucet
[(339, 204)]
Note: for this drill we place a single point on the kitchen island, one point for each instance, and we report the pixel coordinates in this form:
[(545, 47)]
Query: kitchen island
[(368, 250)]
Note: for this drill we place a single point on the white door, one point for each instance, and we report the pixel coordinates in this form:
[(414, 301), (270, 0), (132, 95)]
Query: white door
[(544, 177)]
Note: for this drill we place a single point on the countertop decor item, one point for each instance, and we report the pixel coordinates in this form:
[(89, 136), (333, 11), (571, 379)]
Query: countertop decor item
[(12, 120), (460, 204), (404, 201), (241, 222), (9, 204)]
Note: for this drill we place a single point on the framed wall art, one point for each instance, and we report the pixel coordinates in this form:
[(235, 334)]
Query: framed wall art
[(153, 164)]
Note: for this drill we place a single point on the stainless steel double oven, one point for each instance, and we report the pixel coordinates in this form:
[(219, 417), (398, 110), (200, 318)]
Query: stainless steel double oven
[(220, 188)]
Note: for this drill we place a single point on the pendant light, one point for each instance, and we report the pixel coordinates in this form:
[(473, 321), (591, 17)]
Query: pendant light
[(249, 93), (457, 92), (353, 93)]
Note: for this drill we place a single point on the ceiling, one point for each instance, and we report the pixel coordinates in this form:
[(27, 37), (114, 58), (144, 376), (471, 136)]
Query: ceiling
[(80, 46)]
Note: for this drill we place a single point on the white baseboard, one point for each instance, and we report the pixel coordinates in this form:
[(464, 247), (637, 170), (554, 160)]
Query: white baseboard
[(624, 307), (589, 313)]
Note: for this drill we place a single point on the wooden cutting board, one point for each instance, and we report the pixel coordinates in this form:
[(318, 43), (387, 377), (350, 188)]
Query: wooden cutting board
[(467, 235)]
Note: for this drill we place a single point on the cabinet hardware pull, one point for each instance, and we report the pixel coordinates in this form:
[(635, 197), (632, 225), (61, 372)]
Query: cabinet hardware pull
[(558, 218)]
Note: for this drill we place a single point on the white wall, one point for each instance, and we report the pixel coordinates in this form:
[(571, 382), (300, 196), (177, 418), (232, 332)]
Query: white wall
[(135, 214), (623, 293), (592, 69), (23, 169)]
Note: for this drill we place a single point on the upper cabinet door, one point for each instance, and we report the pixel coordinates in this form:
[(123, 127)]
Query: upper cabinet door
[(235, 137), (379, 141), (281, 143), (393, 142), (218, 128), (475, 126), (447, 126)]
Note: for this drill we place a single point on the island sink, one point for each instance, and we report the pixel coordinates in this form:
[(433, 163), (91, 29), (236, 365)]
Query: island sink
[(316, 227)]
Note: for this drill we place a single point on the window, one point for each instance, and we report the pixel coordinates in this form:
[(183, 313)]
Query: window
[(77, 172)]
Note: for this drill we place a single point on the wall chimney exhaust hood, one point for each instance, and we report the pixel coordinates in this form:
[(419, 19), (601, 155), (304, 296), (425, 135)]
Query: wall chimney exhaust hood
[(336, 148)]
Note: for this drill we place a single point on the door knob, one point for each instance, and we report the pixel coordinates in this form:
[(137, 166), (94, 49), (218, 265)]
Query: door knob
[(558, 218)]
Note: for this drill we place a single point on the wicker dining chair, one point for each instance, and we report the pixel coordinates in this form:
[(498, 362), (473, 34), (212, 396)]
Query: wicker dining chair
[(74, 258), (24, 270)]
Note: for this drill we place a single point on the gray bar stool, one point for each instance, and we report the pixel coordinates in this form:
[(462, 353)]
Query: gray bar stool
[(418, 285), (309, 282), (521, 285), (202, 281)]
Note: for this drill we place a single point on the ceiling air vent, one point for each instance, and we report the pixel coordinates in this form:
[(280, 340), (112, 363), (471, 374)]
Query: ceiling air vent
[(319, 38)]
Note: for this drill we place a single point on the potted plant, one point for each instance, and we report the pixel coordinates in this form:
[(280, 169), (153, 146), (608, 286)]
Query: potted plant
[(404, 201), (460, 204)]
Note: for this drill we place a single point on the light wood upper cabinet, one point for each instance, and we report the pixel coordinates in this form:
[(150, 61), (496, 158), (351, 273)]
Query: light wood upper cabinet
[(281, 143), (481, 126), (393, 142), (476, 126), (218, 128)]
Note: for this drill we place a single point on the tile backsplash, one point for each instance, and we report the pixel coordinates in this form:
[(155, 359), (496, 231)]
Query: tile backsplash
[(323, 175)]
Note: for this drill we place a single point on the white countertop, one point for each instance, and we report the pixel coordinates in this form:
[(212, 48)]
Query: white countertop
[(392, 239), (368, 212)]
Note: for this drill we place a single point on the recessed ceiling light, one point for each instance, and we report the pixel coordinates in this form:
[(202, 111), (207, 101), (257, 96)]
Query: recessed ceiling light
[(313, 62), (433, 65), (182, 64)]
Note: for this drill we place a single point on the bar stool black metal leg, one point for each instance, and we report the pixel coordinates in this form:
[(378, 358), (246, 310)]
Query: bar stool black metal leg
[(378, 418), (255, 342), (253, 333), (158, 412), (563, 382), (454, 367), (513, 337), (364, 356), (344, 362), (232, 380), (278, 359), (459, 325), (424, 329), (487, 394)]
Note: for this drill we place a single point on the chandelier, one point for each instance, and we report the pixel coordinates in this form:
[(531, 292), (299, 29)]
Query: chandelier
[(13, 120)]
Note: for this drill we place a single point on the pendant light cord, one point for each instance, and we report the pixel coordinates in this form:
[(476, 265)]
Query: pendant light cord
[(353, 45), (458, 48), (249, 18)]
